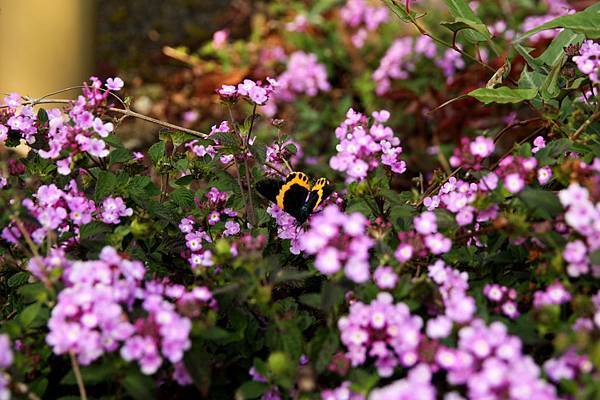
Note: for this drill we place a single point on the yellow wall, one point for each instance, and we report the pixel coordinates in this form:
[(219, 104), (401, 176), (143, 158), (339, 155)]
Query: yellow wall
[(45, 45)]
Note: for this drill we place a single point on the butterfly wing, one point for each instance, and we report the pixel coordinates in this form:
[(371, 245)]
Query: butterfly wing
[(269, 188), (319, 192), (293, 194)]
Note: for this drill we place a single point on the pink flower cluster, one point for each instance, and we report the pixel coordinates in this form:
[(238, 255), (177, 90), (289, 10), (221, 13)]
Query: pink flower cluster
[(556, 8), (255, 92), (568, 366), (491, 364), (58, 210), (471, 154), (457, 196), (287, 228), (339, 241), (417, 385), (399, 61), (113, 208), (588, 61), (362, 148), (451, 62), (21, 120), (516, 171), (81, 130), (385, 331), (277, 153), (342, 392), (504, 297), (458, 305), (358, 15), (554, 294), (423, 240), (584, 217), (97, 312), (6, 360)]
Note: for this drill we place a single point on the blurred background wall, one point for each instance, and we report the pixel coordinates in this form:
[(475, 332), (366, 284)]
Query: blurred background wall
[(45, 45)]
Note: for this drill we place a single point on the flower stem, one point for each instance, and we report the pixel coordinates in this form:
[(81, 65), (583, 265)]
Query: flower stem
[(78, 377)]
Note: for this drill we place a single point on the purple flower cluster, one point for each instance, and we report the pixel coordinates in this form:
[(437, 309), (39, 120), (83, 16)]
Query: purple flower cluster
[(515, 172), (21, 120), (58, 210), (556, 8), (457, 196), (255, 92), (113, 208), (556, 293), (6, 360), (399, 61), (385, 331), (339, 241), (361, 17), (362, 148), (583, 216), (450, 63), (278, 153), (471, 154), (588, 60), (342, 392), (491, 364), (287, 228), (568, 366), (97, 312), (458, 305), (417, 385), (423, 240), (81, 130), (504, 297)]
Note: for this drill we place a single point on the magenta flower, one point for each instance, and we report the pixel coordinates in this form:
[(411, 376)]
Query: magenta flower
[(113, 208)]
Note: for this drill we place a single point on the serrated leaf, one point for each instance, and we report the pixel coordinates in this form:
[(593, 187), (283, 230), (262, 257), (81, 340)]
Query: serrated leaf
[(93, 228), (503, 95), (177, 137), (586, 22), (543, 203), (156, 151), (183, 197), (106, 183), (18, 279), (119, 155)]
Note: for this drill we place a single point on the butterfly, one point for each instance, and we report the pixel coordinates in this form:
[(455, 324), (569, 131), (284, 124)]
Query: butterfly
[(295, 195)]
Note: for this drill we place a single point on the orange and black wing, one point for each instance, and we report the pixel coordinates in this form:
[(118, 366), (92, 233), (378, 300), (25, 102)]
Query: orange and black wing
[(319, 192)]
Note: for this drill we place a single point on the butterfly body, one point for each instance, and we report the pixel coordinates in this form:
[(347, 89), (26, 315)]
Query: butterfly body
[(295, 195)]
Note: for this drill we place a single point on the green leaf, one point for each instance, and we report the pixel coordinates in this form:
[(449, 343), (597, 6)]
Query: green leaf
[(119, 155), (251, 390), (543, 203), (556, 50), (177, 137), (535, 64), (156, 151), (530, 79), (549, 88), (198, 364), (106, 183), (93, 228), (183, 197), (460, 10), (503, 95), (139, 386), (91, 375), (461, 23), (29, 314), (586, 22), (400, 11), (18, 279), (595, 257)]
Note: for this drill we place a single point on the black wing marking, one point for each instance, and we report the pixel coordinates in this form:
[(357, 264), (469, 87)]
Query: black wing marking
[(294, 199), (269, 188)]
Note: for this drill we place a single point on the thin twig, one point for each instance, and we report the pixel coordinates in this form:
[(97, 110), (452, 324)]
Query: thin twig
[(584, 126), (78, 377), (125, 113)]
